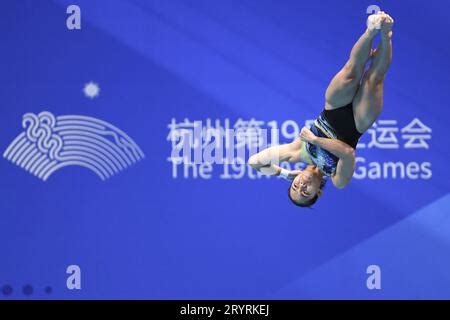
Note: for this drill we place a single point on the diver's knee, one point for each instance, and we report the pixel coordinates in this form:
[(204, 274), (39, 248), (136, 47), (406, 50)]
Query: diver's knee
[(375, 78)]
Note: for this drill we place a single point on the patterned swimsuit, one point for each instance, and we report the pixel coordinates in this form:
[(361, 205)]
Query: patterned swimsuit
[(325, 160), (338, 123)]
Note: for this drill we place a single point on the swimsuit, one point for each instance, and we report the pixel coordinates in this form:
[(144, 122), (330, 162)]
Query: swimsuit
[(333, 124)]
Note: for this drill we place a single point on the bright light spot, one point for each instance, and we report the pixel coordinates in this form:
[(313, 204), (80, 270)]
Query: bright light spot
[(91, 90)]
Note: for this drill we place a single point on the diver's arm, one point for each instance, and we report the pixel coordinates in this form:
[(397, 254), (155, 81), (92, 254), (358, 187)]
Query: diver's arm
[(339, 148), (346, 154), (269, 170), (265, 160), (344, 171), (346, 163)]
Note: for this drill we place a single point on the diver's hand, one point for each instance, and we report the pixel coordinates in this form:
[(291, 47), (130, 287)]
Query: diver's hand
[(293, 174), (307, 135), (270, 170), (290, 175)]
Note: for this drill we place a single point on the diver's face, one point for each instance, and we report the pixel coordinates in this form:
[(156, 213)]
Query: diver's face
[(305, 185)]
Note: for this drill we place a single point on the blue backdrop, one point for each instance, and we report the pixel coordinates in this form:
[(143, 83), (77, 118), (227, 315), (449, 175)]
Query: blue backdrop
[(145, 234)]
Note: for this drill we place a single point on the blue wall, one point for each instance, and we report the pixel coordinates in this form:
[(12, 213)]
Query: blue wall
[(145, 235)]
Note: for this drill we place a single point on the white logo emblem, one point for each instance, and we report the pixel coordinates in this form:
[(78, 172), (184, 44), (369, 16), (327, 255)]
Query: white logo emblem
[(73, 21), (74, 280), (50, 143), (374, 280)]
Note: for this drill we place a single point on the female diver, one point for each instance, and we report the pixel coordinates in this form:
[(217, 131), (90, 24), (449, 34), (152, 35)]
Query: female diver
[(351, 107)]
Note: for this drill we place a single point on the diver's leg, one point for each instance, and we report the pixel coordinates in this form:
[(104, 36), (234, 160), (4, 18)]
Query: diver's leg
[(343, 86), (368, 101)]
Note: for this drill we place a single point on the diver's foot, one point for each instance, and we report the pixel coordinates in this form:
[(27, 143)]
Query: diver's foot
[(387, 24), (374, 22)]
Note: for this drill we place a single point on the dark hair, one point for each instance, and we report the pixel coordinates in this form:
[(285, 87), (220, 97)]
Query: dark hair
[(313, 200)]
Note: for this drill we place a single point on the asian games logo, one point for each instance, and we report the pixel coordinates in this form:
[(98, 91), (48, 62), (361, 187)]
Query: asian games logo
[(49, 143)]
